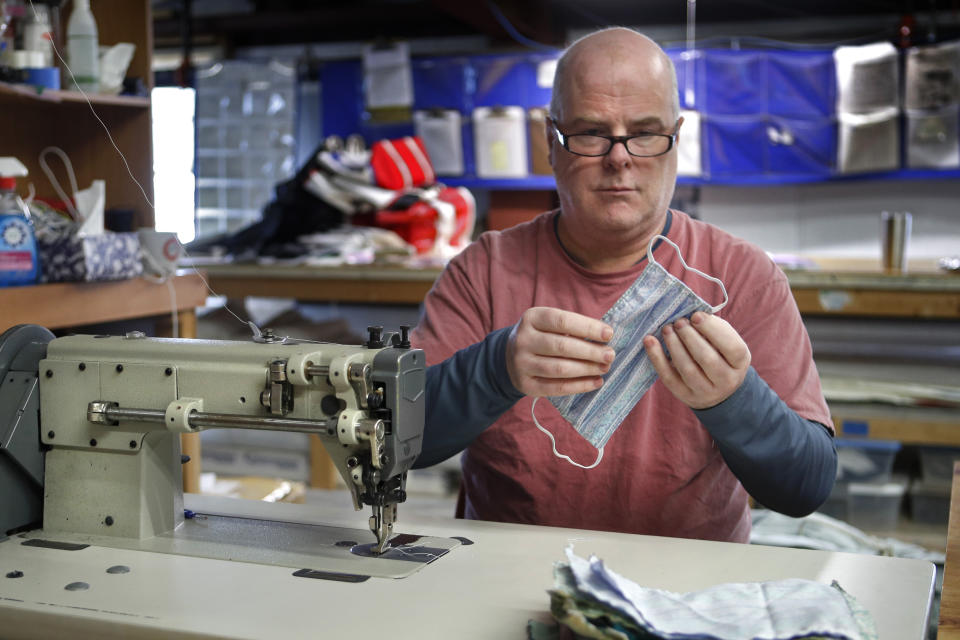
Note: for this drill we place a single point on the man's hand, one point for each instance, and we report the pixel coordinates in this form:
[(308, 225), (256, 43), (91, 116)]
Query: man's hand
[(708, 359), (552, 352)]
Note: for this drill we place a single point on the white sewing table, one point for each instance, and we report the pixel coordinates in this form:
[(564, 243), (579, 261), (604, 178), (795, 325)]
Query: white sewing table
[(485, 590)]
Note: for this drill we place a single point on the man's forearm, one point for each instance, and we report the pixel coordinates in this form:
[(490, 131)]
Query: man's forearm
[(465, 394), (787, 463)]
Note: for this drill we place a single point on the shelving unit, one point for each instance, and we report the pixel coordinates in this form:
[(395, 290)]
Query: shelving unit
[(34, 120)]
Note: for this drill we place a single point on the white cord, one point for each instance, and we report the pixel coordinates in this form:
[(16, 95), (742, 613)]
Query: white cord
[(713, 279), (94, 112), (553, 442), (67, 200), (174, 316), (123, 158), (432, 556)]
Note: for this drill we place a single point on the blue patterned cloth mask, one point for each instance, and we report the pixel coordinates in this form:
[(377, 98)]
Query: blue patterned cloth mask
[(655, 299)]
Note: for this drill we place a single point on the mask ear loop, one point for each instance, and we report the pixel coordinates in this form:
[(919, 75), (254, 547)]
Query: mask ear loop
[(717, 281), (553, 442)]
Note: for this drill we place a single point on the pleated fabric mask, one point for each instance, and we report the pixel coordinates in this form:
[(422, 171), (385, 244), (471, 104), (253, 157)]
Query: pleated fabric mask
[(655, 299)]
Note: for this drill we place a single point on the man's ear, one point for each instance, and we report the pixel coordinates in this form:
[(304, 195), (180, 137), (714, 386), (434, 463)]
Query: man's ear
[(679, 124)]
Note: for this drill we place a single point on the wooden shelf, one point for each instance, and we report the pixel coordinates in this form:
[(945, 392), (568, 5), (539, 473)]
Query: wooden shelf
[(73, 304), (28, 93), (63, 119), (910, 425), (876, 294)]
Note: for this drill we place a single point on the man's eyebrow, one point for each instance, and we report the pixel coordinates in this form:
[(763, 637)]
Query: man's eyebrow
[(582, 122), (648, 124), (651, 123)]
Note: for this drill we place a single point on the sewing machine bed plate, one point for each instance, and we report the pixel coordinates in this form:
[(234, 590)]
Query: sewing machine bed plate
[(296, 545), (489, 589)]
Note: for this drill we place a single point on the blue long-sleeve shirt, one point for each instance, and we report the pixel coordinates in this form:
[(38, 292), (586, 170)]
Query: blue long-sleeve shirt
[(787, 463)]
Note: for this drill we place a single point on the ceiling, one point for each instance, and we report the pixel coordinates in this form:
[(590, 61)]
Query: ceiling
[(233, 24)]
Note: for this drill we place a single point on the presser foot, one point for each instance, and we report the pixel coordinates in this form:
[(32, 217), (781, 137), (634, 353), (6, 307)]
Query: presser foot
[(381, 524)]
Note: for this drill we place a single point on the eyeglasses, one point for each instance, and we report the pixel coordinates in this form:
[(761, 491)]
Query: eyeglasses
[(641, 145)]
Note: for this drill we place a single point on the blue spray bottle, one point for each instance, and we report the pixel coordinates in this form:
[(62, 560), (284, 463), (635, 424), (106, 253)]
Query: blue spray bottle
[(18, 247)]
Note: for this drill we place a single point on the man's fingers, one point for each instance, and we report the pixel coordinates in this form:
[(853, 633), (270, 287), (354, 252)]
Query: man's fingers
[(563, 386), (668, 375), (555, 352), (569, 348), (700, 349), (561, 322), (685, 365), (537, 366), (723, 337)]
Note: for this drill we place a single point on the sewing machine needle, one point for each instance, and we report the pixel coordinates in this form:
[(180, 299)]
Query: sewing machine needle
[(376, 526)]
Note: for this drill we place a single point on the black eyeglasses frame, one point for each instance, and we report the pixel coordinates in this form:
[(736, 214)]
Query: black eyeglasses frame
[(564, 140)]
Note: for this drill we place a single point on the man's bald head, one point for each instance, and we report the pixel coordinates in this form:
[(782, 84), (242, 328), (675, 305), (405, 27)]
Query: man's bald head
[(620, 46)]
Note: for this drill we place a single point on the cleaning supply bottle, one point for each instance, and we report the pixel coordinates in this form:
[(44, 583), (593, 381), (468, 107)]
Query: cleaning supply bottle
[(83, 53), (18, 247)]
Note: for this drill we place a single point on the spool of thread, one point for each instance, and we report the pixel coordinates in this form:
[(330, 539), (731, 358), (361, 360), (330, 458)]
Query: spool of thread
[(23, 59), (46, 77)]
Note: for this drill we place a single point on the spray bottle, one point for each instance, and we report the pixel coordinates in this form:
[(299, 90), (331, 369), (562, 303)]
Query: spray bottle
[(18, 247)]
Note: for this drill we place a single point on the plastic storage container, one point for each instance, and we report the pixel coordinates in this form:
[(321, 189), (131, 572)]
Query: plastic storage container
[(936, 463), (865, 460), (835, 505), (930, 502), (875, 506)]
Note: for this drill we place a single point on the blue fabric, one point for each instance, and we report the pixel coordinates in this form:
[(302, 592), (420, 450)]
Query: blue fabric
[(734, 145), (655, 299), (503, 80), (441, 82), (785, 462), (465, 394), (801, 145), (802, 84), (735, 82)]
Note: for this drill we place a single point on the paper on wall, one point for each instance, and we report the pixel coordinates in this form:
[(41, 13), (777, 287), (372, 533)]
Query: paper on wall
[(869, 142), (441, 134), (933, 76), (933, 139), (388, 81), (868, 78)]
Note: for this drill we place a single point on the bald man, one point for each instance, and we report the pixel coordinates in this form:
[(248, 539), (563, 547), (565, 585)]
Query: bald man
[(736, 408)]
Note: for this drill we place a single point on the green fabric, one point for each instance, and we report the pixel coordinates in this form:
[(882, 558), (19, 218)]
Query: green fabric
[(590, 619)]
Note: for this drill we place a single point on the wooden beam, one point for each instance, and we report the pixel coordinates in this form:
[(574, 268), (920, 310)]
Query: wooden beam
[(892, 303), (949, 624), (74, 304)]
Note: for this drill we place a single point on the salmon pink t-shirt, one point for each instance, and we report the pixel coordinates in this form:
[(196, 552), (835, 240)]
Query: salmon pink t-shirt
[(661, 472)]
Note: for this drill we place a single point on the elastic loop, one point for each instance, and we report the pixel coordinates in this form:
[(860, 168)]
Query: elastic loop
[(553, 442), (717, 281), (67, 200)]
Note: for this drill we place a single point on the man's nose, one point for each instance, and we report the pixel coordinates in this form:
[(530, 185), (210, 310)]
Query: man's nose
[(618, 154)]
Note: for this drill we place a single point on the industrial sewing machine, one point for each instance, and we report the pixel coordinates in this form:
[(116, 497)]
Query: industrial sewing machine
[(89, 431)]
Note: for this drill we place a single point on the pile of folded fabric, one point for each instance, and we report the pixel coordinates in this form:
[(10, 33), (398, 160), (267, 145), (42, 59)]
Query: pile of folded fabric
[(594, 602)]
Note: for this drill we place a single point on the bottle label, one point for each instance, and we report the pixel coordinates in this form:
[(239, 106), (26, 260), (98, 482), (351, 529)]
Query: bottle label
[(83, 59), (16, 261)]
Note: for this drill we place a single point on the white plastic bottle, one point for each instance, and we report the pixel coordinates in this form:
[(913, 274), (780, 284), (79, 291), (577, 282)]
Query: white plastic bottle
[(37, 34), (83, 48)]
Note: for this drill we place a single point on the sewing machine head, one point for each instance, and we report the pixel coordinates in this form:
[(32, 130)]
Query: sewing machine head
[(112, 409)]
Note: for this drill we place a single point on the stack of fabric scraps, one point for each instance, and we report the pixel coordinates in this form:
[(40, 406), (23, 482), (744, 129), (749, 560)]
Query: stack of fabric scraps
[(594, 602)]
